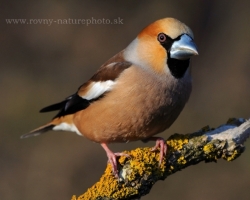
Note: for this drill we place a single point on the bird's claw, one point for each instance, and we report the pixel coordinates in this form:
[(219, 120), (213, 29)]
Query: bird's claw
[(160, 143), (112, 159)]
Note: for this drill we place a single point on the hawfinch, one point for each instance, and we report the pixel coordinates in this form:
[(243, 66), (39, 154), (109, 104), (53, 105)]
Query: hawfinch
[(135, 95)]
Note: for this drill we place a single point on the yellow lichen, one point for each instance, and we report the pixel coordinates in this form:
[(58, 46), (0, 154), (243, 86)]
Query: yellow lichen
[(144, 163), (177, 142), (210, 151), (233, 156), (98, 190), (182, 160), (208, 148), (141, 161)]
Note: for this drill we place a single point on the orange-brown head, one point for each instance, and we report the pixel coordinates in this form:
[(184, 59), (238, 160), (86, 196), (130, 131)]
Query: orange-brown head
[(163, 39)]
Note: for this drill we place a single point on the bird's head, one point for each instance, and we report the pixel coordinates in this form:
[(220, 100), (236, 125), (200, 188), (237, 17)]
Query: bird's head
[(166, 43)]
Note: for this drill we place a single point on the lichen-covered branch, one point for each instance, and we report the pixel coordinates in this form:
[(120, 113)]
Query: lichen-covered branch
[(139, 173)]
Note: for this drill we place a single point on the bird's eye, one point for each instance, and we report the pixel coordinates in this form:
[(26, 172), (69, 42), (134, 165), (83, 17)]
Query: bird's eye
[(162, 37)]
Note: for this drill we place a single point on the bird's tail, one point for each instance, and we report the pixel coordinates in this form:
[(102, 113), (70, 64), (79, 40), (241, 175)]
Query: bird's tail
[(39, 131), (64, 123)]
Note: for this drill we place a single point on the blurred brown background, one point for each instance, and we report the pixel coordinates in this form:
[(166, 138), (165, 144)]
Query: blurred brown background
[(43, 64)]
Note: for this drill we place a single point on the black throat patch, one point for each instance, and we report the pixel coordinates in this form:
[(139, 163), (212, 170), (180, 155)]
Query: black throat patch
[(177, 67)]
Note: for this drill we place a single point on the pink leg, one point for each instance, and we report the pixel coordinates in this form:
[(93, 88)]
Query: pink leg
[(160, 143), (112, 158)]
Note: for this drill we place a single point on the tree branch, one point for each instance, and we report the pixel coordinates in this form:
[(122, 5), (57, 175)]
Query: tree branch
[(139, 173)]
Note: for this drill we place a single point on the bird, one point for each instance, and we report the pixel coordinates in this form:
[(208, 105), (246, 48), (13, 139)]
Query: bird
[(136, 94)]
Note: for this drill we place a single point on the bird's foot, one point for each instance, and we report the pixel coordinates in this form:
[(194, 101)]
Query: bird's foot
[(160, 143), (112, 158)]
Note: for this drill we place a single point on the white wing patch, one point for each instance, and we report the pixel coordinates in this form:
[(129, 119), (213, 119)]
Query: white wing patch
[(111, 64), (98, 88), (67, 127)]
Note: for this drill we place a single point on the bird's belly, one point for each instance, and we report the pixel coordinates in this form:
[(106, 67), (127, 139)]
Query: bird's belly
[(112, 122)]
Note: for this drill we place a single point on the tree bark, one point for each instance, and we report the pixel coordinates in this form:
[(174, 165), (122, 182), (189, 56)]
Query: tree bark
[(140, 172)]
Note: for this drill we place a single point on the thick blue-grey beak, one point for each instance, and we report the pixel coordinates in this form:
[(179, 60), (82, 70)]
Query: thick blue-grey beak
[(184, 48)]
